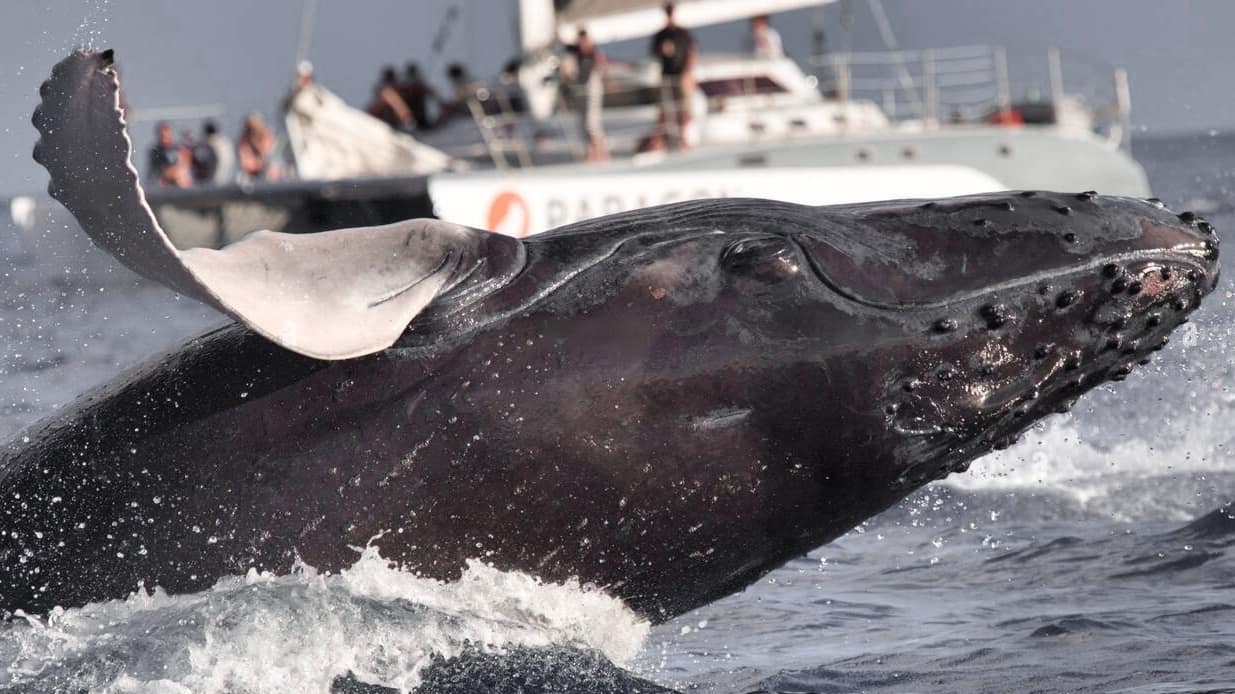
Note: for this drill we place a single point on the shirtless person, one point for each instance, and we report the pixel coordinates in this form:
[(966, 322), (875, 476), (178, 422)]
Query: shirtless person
[(388, 105)]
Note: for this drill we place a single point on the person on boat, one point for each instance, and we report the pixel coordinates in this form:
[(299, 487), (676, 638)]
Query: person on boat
[(169, 160), (764, 41), (589, 82), (388, 105), (202, 160), (255, 151), (674, 47), (214, 162), (464, 89), (511, 88), (417, 93)]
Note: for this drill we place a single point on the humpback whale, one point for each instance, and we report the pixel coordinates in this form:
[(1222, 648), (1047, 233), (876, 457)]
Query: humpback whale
[(666, 403)]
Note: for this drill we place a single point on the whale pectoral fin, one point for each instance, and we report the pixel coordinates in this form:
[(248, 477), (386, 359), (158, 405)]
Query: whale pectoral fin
[(332, 295), (336, 294), (84, 147)]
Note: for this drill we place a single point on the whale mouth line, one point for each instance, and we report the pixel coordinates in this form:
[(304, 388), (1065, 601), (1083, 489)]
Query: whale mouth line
[(1191, 255)]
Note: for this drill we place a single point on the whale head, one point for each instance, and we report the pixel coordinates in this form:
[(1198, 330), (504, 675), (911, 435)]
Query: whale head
[(961, 322), (997, 310), (862, 351)]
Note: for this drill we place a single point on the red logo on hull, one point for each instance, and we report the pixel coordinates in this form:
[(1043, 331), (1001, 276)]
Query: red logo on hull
[(509, 215)]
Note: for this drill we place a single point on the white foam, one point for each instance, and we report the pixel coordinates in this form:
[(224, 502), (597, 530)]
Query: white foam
[(296, 633), (1156, 447), (1169, 469)]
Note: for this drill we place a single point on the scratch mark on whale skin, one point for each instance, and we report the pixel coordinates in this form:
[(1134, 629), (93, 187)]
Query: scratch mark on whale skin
[(720, 419)]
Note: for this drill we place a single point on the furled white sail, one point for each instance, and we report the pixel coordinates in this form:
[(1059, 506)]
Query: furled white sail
[(331, 140)]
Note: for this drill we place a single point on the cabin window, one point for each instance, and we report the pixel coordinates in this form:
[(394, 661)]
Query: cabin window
[(741, 86), (629, 95)]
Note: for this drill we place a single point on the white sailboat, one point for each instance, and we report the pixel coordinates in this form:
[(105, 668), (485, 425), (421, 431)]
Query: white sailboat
[(851, 127), (769, 130)]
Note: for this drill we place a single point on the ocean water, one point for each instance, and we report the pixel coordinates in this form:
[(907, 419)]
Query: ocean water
[(1098, 555)]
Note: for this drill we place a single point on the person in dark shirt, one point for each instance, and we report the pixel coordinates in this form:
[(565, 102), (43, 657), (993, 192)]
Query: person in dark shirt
[(463, 89), (674, 47), (417, 93), (213, 156), (204, 162), (169, 161)]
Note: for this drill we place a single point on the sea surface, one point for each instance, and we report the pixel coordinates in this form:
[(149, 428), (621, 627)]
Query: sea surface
[(1098, 555)]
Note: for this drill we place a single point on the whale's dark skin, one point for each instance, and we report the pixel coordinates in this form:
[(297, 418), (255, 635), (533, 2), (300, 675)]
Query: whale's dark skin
[(667, 403)]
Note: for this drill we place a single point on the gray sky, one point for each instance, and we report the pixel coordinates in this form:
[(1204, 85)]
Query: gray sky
[(240, 53)]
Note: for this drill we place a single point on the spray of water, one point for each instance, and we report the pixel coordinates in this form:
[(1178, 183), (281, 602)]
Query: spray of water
[(264, 633), (90, 32)]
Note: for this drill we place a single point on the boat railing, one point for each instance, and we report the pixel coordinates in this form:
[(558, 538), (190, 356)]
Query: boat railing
[(959, 84), (633, 122), (499, 127), (954, 86), (917, 84), (510, 138)]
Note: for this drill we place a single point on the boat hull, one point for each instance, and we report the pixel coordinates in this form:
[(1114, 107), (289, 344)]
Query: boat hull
[(817, 171)]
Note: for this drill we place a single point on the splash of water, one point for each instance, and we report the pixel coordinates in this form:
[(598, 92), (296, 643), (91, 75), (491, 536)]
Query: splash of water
[(1174, 476), (89, 33), (265, 633)]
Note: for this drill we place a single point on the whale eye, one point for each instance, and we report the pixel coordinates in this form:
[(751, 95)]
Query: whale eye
[(765, 258)]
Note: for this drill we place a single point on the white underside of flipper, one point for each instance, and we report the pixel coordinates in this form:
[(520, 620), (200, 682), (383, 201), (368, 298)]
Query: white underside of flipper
[(332, 295)]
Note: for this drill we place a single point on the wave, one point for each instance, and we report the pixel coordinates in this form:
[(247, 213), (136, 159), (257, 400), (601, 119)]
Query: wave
[(1158, 447), (370, 623), (1160, 478)]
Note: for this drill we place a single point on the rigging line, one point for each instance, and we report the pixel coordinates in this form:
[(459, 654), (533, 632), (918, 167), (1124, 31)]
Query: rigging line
[(308, 18), (442, 36), (889, 42)]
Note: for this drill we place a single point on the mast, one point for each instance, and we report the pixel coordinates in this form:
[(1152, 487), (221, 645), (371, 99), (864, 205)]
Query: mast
[(537, 25), (308, 19)]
